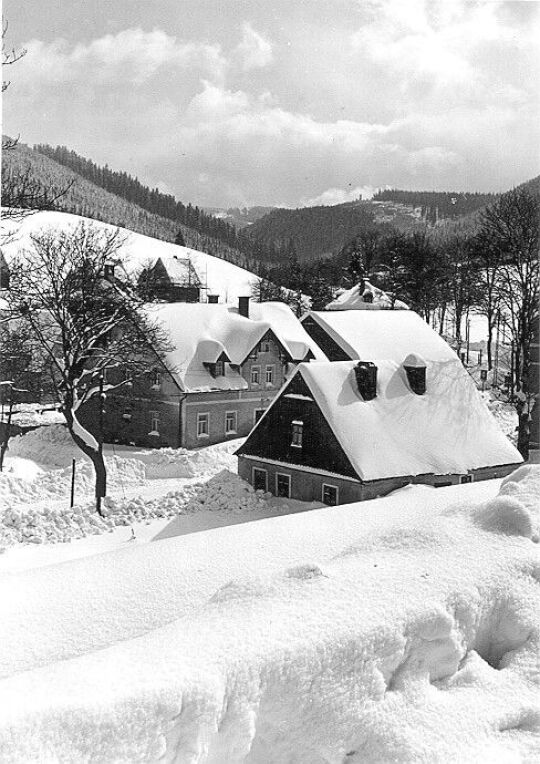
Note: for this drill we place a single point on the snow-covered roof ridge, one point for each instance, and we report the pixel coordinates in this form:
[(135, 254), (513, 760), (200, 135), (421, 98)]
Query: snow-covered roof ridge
[(383, 334), (365, 296), (202, 332), (446, 430)]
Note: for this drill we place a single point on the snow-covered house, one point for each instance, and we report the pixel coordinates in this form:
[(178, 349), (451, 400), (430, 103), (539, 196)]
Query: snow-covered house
[(365, 296), (170, 278), (224, 368), (353, 430), (370, 335)]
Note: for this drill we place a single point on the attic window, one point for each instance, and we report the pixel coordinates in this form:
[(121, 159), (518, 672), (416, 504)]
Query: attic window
[(156, 379), (415, 369), (216, 369), (297, 433)]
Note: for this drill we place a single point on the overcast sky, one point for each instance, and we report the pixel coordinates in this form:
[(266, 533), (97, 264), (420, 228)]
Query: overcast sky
[(243, 102)]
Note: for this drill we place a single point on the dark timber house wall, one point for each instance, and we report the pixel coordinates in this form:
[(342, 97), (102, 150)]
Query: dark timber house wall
[(320, 470)]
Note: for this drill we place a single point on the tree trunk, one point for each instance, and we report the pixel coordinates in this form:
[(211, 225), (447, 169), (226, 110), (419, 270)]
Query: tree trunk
[(94, 454), (523, 433)]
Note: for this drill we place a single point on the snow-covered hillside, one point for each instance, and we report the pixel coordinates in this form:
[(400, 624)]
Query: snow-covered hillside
[(221, 277), (403, 629)]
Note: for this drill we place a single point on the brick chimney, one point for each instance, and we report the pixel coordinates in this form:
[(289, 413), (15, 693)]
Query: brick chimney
[(243, 306), (366, 379)]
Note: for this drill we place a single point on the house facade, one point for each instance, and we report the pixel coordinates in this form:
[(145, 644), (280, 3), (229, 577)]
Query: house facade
[(222, 373), (349, 431)]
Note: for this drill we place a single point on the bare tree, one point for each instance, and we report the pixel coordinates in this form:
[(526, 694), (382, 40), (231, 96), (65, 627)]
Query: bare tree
[(510, 230), (85, 321), (9, 56)]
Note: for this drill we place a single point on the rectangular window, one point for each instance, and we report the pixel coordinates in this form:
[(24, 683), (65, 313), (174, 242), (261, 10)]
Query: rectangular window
[(231, 418), (283, 485), (330, 494), (297, 433), (203, 430), (260, 479), (257, 414), (220, 369), (156, 378), (255, 375), (265, 346), (154, 425), (466, 478), (127, 414), (269, 375)]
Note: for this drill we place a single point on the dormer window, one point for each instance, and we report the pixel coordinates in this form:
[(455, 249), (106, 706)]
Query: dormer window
[(216, 369), (297, 433), (415, 369)]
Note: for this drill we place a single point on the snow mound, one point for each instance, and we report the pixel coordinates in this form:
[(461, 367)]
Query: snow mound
[(17, 490), (48, 445), (516, 510), (426, 654), (226, 492)]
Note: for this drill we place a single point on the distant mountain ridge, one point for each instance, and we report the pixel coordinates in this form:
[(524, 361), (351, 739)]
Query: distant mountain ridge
[(83, 197)]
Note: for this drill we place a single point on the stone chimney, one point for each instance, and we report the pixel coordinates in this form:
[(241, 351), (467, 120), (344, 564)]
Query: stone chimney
[(243, 306), (366, 379)]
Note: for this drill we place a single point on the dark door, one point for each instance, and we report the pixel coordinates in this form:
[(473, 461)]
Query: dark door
[(259, 479), (283, 485)]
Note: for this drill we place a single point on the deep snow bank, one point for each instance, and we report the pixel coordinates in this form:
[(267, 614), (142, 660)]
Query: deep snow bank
[(410, 637), (60, 523)]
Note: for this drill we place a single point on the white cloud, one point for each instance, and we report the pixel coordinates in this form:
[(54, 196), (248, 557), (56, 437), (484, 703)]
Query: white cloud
[(339, 196), (254, 51), (425, 95), (131, 56)]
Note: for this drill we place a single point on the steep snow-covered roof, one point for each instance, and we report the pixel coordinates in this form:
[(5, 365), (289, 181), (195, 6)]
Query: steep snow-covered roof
[(446, 430), (383, 334), (222, 278), (353, 299), (201, 332), (179, 269)]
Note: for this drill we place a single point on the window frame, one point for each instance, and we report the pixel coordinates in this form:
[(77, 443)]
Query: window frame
[(270, 367), (156, 378), (234, 414), (203, 416), (262, 470), (289, 481), (154, 418), (255, 419), (334, 488), (297, 423), (256, 369)]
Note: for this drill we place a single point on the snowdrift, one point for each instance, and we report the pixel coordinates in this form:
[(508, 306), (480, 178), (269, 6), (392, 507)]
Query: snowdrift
[(401, 629)]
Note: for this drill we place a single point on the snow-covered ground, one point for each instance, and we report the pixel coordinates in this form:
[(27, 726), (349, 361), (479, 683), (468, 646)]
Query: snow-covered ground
[(201, 621), (150, 493), (403, 629)]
